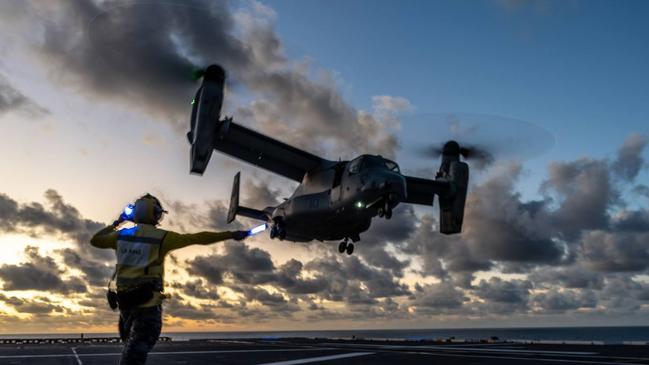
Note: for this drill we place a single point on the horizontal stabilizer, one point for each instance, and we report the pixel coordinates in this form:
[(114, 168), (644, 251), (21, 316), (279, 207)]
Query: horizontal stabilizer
[(235, 209)]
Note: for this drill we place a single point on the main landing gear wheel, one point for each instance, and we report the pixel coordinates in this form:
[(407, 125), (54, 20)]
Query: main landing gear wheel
[(345, 246), (350, 248), (381, 212), (342, 246)]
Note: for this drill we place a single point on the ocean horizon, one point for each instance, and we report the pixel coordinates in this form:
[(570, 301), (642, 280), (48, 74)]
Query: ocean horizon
[(604, 334)]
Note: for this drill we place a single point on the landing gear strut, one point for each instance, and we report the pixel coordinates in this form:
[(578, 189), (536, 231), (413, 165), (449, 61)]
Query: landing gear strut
[(346, 246), (385, 210)]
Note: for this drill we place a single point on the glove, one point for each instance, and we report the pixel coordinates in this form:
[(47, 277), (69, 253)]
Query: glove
[(239, 235), (118, 221)]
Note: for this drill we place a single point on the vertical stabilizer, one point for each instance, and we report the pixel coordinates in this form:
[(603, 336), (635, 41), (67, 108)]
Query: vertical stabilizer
[(234, 198)]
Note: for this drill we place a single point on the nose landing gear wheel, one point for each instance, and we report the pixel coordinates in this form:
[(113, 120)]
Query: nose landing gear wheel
[(381, 212), (342, 246), (350, 248), (388, 213)]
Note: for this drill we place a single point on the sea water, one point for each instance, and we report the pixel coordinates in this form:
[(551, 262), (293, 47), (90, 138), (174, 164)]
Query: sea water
[(610, 335)]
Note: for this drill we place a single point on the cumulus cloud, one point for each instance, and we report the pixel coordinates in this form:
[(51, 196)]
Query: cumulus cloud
[(555, 301), (620, 251), (142, 55), (629, 159), (55, 218), (500, 296), (578, 246), (438, 298), (38, 273), (584, 192)]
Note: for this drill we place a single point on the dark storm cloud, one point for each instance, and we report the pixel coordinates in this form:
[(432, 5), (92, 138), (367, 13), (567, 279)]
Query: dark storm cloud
[(197, 289), (554, 301), (631, 221), (38, 273), (290, 278), (346, 275), (629, 160), (615, 252), (431, 248), (498, 227), (37, 306), (377, 256), (57, 217), (573, 277), (274, 300), (213, 214), (242, 269), (396, 230), (623, 294), (244, 264), (258, 194), (96, 273), (206, 314), (584, 192), (12, 99), (500, 296), (143, 53), (438, 298), (502, 227), (139, 52)]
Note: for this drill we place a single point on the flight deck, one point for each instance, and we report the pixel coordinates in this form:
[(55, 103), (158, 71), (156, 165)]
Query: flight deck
[(287, 351)]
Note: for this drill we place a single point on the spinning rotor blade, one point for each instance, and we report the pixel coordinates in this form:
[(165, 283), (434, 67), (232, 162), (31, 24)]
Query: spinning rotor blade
[(480, 139), (468, 152)]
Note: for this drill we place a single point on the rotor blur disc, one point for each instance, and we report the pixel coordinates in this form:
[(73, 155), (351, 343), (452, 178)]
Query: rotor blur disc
[(484, 138)]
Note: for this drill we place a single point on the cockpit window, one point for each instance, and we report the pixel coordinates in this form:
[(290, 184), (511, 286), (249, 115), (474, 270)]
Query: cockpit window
[(368, 162), (392, 166), (355, 165)]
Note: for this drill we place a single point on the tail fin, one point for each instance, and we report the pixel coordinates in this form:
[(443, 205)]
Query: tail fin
[(235, 209), (451, 206), (234, 198)]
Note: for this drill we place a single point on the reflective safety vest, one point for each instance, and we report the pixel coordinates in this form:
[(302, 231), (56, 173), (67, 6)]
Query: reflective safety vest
[(139, 257)]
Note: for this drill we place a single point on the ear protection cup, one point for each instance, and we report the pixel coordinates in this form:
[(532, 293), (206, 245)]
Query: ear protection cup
[(148, 209)]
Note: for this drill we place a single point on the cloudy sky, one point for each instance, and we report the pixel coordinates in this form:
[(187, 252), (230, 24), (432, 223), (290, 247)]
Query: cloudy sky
[(94, 105)]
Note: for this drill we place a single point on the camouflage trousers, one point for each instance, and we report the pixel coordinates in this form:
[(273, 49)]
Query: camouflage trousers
[(139, 329)]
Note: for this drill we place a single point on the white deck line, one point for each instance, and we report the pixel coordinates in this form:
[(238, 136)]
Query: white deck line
[(76, 356), (317, 359)]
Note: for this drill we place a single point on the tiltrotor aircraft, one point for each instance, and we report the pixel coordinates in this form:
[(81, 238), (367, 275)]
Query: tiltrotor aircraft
[(336, 200)]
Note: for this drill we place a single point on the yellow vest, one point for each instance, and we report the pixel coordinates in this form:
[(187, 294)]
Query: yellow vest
[(139, 256)]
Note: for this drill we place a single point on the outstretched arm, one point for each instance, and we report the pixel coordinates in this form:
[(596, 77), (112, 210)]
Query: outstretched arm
[(174, 241)]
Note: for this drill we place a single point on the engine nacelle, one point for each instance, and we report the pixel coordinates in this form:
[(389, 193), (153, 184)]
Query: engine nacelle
[(206, 112), (451, 205)]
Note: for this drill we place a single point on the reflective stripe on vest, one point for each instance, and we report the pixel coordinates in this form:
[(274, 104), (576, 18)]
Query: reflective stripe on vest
[(137, 256)]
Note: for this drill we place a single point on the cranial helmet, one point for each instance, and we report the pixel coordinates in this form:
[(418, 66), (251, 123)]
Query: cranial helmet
[(148, 210)]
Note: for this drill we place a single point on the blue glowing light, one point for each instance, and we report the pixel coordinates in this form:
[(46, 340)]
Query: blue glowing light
[(129, 211), (257, 229), (128, 231)]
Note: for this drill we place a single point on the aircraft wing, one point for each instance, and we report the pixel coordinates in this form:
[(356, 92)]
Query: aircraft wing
[(265, 152), (423, 191)]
